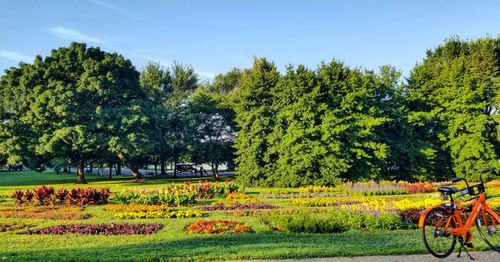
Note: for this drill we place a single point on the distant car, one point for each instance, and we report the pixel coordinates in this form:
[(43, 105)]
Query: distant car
[(186, 168)]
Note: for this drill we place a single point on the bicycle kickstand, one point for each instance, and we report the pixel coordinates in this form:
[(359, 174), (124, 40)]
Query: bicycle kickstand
[(465, 249)]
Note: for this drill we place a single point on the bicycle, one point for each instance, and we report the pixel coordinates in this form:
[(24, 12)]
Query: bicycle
[(442, 225)]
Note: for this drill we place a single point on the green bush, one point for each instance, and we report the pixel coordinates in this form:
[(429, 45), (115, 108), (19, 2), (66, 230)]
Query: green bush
[(303, 223), (333, 222)]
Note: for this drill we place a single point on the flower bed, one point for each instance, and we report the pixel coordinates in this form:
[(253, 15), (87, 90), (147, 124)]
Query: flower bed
[(297, 195), (235, 195), (176, 194), (172, 195), (238, 206), (367, 204), (158, 214), (44, 212), (99, 229), (218, 227), (136, 208), (47, 195), (324, 201), (372, 188), (316, 189)]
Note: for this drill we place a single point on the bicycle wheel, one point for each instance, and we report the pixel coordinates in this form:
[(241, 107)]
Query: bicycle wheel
[(438, 241), (488, 228)]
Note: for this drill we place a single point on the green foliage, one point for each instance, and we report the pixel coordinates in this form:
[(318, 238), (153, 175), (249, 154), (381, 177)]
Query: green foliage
[(453, 101), (312, 127), (210, 129), (333, 222), (72, 105)]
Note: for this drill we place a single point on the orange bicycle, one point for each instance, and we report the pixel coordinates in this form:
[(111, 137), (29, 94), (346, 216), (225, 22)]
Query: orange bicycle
[(442, 225)]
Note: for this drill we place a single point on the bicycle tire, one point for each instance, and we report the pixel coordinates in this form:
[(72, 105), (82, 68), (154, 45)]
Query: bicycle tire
[(488, 229), (437, 241)]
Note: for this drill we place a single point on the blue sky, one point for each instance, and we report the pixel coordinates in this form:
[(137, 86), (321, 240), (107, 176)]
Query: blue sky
[(214, 36)]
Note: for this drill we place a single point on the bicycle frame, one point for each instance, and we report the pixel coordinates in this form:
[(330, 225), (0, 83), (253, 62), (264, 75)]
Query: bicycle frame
[(461, 229)]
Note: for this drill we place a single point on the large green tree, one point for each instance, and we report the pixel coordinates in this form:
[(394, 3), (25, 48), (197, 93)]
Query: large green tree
[(168, 91), (453, 101), (211, 129), (255, 118), (75, 102)]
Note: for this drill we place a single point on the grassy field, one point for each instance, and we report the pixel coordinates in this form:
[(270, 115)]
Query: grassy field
[(172, 243)]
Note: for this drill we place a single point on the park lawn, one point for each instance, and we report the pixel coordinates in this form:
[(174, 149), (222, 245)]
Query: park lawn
[(173, 243)]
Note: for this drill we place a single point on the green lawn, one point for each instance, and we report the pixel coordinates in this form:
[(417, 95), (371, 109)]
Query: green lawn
[(172, 243)]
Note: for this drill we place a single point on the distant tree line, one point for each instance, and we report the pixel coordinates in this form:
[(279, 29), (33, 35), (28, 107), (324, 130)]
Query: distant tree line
[(81, 106)]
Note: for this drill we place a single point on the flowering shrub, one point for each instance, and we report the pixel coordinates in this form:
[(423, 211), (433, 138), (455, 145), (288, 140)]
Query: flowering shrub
[(46, 195), (316, 189), (285, 211), (136, 208), (159, 214), (222, 189), (406, 204), (373, 188), (235, 195), (367, 204), (218, 227), (323, 202), (100, 229), (12, 227), (421, 187), (411, 216), (238, 206), (178, 195), (297, 195)]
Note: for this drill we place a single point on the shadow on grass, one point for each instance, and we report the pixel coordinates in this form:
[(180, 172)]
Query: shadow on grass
[(251, 246), (30, 178)]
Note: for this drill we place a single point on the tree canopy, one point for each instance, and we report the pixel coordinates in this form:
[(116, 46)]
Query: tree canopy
[(82, 106)]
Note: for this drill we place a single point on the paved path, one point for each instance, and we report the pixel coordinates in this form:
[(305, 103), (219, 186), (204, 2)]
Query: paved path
[(487, 256)]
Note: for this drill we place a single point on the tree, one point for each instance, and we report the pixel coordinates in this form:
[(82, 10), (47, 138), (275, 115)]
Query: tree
[(169, 91), (255, 118), (453, 100), (211, 129), (74, 102)]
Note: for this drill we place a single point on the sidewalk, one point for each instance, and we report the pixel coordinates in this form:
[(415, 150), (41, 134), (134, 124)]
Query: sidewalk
[(485, 256)]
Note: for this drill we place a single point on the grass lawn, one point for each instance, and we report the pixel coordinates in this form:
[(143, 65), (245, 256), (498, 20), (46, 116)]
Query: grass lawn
[(172, 242)]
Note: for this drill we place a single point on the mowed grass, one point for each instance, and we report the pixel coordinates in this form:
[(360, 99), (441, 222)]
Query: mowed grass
[(172, 243)]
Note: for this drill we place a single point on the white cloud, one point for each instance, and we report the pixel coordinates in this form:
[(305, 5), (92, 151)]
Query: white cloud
[(12, 55), (74, 35), (114, 7)]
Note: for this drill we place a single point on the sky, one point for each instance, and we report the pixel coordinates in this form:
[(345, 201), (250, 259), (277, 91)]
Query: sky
[(215, 36)]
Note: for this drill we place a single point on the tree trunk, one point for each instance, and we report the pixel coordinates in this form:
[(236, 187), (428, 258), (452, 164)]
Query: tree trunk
[(118, 168), (162, 166), (156, 169), (175, 168), (110, 171), (80, 173), (91, 168), (215, 171), (135, 172)]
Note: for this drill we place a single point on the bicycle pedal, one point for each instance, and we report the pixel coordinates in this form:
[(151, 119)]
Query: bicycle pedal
[(469, 245)]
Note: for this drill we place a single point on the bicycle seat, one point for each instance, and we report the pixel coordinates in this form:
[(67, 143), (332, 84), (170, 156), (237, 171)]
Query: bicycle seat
[(447, 189)]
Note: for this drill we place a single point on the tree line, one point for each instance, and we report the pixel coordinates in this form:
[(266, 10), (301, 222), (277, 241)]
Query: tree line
[(82, 106)]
